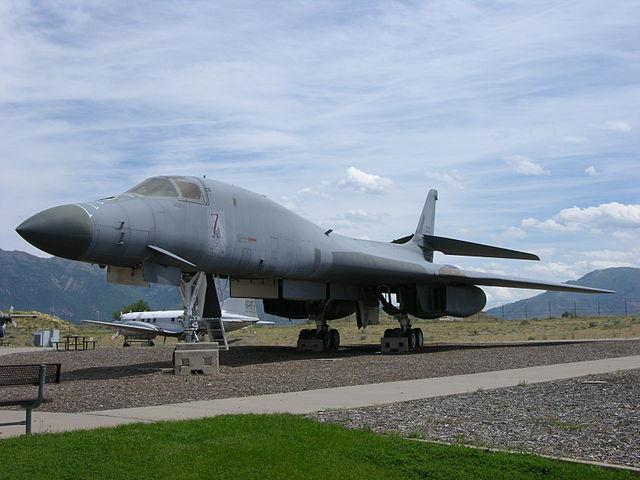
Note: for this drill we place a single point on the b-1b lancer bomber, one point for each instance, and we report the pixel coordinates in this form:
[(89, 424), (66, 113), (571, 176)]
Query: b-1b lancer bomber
[(186, 230)]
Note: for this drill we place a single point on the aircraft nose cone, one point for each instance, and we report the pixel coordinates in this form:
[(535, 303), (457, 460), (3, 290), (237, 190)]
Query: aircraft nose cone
[(63, 231)]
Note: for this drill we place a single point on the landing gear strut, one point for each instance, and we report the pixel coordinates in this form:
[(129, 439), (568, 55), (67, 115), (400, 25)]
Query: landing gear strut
[(403, 339), (319, 339)]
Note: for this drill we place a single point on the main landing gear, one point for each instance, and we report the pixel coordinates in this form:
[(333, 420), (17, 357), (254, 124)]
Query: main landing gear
[(319, 339), (403, 339)]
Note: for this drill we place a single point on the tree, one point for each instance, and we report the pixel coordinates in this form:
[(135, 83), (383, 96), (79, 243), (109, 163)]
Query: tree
[(139, 306)]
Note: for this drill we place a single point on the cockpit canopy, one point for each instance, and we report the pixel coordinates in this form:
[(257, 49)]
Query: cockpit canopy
[(183, 188)]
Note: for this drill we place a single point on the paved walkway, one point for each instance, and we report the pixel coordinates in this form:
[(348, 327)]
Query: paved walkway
[(323, 399), (10, 350)]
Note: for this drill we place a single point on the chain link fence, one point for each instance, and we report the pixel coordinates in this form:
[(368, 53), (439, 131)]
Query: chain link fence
[(570, 308)]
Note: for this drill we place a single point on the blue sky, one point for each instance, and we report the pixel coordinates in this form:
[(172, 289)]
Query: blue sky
[(523, 114)]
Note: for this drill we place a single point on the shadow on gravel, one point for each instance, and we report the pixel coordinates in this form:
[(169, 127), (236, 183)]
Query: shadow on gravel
[(243, 355), (109, 372)]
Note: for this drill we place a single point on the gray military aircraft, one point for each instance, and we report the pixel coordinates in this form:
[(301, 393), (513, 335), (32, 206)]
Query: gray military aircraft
[(186, 230)]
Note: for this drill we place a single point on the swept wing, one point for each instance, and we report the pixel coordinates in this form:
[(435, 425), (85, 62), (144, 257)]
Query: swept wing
[(468, 277)]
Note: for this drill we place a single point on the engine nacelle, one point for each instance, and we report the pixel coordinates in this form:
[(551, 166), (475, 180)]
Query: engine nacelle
[(455, 300)]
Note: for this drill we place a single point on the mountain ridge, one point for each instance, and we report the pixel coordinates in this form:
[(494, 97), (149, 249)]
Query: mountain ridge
[(70, 290), (625, 281)]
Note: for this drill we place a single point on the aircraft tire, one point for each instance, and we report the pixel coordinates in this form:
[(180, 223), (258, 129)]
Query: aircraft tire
[(152, 343), (419, 338), (334, 336), (411, 339), (326, 341), (389, 332), (304, 334), (126, 344)]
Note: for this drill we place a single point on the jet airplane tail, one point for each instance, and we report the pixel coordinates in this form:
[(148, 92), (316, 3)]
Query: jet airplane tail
[(430, 243)]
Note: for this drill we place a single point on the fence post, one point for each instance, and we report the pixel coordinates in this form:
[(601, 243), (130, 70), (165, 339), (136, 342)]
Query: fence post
[(526, 317), (575, 310), (549, 303)]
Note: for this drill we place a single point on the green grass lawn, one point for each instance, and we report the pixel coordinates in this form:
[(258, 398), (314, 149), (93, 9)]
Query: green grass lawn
[(264, 447)]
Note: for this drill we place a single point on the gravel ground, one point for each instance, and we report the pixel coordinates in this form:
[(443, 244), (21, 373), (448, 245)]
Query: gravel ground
[(108, 378), (590, 418)]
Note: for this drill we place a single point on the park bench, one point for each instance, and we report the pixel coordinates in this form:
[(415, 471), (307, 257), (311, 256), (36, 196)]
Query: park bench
[(20, 375)]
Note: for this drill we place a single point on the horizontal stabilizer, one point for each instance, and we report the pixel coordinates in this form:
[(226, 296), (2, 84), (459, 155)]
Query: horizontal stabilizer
[(451, 246)]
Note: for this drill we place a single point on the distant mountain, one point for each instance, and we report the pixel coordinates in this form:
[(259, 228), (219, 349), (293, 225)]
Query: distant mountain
[(70, 290), (625, 281)]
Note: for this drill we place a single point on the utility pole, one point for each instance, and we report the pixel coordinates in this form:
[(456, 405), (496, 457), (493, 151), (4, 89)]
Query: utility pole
[(526, 317), (626, 312), (549, 303), (598, 307), (503, 311), (575, 310)]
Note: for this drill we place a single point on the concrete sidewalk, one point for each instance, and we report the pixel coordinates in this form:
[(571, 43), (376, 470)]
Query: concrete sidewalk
[(322, 399), (11, 350)]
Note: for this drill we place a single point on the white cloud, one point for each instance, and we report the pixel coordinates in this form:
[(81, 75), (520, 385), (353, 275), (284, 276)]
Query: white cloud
[(514, 233), (576, 139), (500, 295), (612, 214), (312, 192), (525, 166), (365, 182), (596, 219), (548, 225), (598, 259), (447, 179), (618, 126), (631, 234), (591, 171), (352, 221), (554, 270)]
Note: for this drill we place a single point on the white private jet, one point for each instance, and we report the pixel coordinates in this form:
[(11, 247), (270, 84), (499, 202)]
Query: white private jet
[(10, 318), (168, 323)]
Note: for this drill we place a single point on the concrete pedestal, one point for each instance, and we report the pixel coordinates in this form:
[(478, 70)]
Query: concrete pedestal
[(310, 345), (394, 344), (201, 358)]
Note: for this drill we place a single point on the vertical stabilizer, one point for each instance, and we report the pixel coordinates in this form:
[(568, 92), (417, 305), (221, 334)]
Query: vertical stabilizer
[(428, 218), (426, 224)]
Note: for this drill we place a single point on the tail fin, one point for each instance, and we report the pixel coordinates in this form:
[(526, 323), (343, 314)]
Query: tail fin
[(240, 306), (426, 224), (428, 217)]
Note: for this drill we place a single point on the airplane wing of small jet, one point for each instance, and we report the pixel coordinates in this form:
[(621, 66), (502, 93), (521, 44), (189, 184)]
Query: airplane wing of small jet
[(128, 328), (469, 277)]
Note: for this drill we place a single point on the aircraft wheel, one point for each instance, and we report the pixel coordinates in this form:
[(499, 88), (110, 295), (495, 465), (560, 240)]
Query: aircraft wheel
[(304, 334), (126, 344), (389, 332), (334, 338), (326, 341), (152, 343), (419, 338), (411, 339)]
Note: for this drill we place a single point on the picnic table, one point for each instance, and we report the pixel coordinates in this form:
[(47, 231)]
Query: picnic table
[(76, 342)]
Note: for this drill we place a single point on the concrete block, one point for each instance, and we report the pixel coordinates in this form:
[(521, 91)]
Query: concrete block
[(310, 345), (188, 361), (197, 346), (394, 344)]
